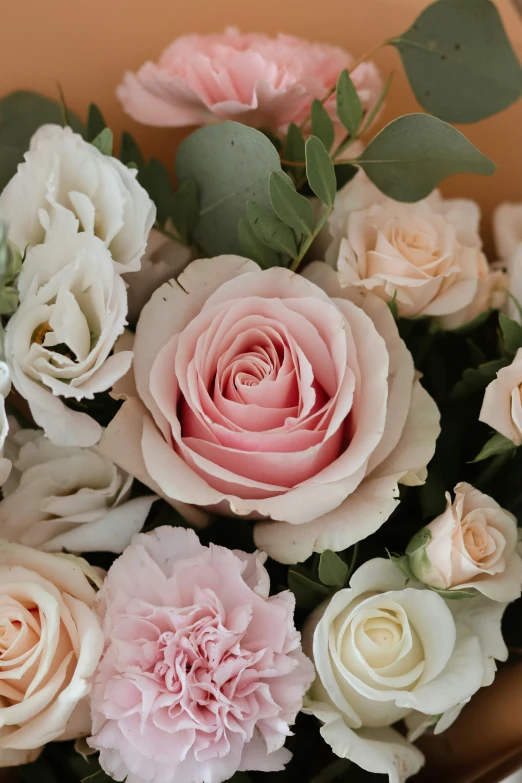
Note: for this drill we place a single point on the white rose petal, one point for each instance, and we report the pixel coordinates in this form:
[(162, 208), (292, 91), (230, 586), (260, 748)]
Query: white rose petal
[(73, 306), (66, 185)]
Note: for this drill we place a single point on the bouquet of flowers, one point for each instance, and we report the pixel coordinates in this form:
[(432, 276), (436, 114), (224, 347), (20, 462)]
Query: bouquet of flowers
[(260, 432)]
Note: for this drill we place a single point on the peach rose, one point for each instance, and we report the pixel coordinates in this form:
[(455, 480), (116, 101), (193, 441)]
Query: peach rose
[(471, 545), (254, 79), (260, 394), (507, 230), (427, 256), (50, 644), (502, 406)]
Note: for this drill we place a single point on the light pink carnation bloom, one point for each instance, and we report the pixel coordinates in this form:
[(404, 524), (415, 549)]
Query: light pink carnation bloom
[(262, 393), (256, 80), (203, 672)]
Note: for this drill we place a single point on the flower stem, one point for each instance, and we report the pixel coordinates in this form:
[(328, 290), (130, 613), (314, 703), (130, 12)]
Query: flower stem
[(308, 241)]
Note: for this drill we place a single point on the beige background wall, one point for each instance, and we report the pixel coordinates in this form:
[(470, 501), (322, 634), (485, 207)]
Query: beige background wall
[(87, 45)]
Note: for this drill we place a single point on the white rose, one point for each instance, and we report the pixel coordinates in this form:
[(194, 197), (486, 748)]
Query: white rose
[(427, 256), (67, 497), (383, 651), (51, 643), (502, 405), (72, 308), (5, 388), (164, 259), (507, 230), (67, 185), (472, 545)]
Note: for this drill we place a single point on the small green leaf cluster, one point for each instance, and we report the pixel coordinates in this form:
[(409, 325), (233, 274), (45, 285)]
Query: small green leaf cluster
[(311, 585)]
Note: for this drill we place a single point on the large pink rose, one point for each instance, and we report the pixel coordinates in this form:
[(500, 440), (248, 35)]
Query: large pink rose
[(203, 672), (260, 394), (254, 79)]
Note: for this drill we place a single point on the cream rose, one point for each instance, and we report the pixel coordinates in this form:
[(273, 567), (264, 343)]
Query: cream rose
[(384, 651), (427, 256), (263, 393), (472, 545), (67, 497), (502, 405), (73, 306), (66, 185), (507, 230), (50, 643)]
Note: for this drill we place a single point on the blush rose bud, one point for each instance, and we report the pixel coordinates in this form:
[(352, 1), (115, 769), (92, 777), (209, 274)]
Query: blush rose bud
[(472, 545)]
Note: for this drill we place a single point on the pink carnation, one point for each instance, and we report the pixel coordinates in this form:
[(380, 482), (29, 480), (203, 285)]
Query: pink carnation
[(256, 80), (203, 672)]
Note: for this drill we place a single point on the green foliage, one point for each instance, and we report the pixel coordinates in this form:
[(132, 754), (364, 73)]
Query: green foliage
[(476, 379), (231, 165), (322, 125), (104, 141), (270, 230), (130, 153), (379, 102), (333, 571), (156, 181), (498, 444), (308, 593), (184, 210), (320, 171), (95, 123), (251, 247), (21, 114), (344, 173), (414, 153), (349, 108), (511, 334), (290, 207), (294, 149), (459, 61)]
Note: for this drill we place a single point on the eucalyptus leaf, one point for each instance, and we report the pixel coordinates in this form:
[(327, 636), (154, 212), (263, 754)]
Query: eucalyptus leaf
[(252, 247), (130, 152), (333, 571), (21, 114), (320, 171), (95, 122), (270, 230), (459, 61), (156, 181), (322, 125), (498, 444), (511, 333), (290, 207), (414, 153), (104, 141), (184, 210), (230, 164), (294, 149), (349, 107), (308, 594)]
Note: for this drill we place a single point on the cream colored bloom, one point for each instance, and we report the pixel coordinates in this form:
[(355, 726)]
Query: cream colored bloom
[(502, 406), (383, 652), (472, 545), (66, 185), (73, 306), (426, 256), (51, 643), (67, 497)]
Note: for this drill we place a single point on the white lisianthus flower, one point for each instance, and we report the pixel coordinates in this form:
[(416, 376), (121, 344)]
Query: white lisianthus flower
[(73, 306), (66, 185), (5, 388), (384, 651), (67, 497)]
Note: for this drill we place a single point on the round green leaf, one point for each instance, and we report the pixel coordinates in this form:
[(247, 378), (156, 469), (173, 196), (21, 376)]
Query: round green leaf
[(459, 61), (21, 114), (414, 153), (270, 230), (230, 164)]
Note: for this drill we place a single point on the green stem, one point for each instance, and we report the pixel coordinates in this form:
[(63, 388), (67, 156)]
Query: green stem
[(308, 241)]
